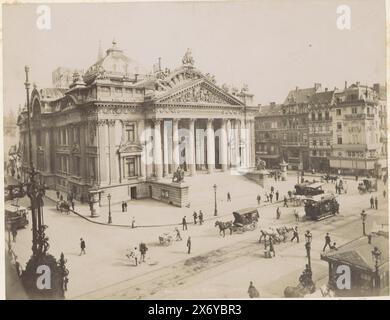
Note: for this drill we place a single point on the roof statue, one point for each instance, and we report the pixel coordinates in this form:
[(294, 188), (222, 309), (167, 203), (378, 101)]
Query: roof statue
[(188, 59)]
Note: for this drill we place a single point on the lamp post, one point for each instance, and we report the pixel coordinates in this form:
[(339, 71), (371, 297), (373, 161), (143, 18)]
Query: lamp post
[(376, 256), (308, 239), (215, 200), (109, 208), (363, 216)]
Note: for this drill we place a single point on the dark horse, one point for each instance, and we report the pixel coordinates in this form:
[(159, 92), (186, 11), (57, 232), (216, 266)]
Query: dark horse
[(223, 226)]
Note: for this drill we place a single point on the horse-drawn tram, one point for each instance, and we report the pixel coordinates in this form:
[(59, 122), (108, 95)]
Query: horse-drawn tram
[(321, 206)]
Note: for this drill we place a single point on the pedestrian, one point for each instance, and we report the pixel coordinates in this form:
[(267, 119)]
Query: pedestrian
[(200, 216), (271, 195), (267, 196), (277, 195), (372, 202), (337, 188), (272, 189), (295, 234), (258, 199), (135, 255), (308, 236), (195, 215), (189, 245), (72, 203), (123, 206), (142, 249), (327, 242), (133, 223), (376, 203), (296, 215), (184, 223), (178, 235), (14, 234), (82, 246), (271, 246), (58, 194), (229, 198), (285, 202), (384, 193), (278, 213), (289, 194), (252, 291), (61, 197)]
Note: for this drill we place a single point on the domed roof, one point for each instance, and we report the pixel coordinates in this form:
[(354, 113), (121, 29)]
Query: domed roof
[(114, 64)]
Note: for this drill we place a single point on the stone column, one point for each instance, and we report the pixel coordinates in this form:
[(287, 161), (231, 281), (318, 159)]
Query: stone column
[(210, 146), (142, 139), (47, 162), (114, 161), (192, 162), (175, 152), (240, 157), (223, 146), (83, 159), (102, 143), (166, 149), (253, 144), (157, 149), (229, 142)]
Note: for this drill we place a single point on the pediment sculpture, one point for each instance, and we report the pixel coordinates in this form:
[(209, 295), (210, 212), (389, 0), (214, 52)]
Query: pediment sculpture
[(130, 147), (197, 94)]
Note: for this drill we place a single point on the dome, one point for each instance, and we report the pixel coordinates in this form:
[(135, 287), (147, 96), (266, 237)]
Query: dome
[(114, 64)]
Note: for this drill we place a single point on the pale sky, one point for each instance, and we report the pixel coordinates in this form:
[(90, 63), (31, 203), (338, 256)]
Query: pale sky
[(273, 46)]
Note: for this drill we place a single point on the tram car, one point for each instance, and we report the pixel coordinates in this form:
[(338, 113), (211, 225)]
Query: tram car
[(321, 206), (368, 185), (15, 216)]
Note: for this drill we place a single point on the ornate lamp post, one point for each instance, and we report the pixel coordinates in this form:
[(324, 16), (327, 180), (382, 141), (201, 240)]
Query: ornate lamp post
[(376, 256), (215, 200), (363, 216), (308, 239), (54, 269), (109, 208)]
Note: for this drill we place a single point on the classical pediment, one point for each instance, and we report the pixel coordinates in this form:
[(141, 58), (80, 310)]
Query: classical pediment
[(199, 91), (130, 148)]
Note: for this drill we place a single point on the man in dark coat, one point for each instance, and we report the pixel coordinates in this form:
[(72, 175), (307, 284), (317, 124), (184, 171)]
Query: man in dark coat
[(82, 246), (184, 223), (285, 202), (252, 291), (376, 203), (277, 195), (258, 199), (200, 217), (271, 196), (327, 242), (195, 215), (295, 235), (372, 202), (189, 245)]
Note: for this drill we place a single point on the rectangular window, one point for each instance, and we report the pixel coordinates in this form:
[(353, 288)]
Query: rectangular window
[(313, 116), (326, 115), (354, 110), (130, 132), (130, 167), (164, 194), (314, 142), (339, 140), (338, 112), (319, 116), (339, 126), (118, 90)]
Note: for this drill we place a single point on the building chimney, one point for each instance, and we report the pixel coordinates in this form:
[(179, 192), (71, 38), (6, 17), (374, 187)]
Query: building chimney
[(345, 85), (317, 86)]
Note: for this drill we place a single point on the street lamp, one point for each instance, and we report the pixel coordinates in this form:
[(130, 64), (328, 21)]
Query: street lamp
[(215, 200), (109, 208), (376, 256), (363, 216), (308, 239)]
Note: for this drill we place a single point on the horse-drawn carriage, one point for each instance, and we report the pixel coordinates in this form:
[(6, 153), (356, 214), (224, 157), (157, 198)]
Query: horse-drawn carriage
[(63, 206), (244, 220), (321, 206), (309, 189), (329, 177), (368, 185)]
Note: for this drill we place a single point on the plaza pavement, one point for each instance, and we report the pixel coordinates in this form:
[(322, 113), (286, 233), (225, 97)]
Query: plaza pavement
[(217, 266)]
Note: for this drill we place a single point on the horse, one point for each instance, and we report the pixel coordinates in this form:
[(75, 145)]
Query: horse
[(283, 231), (268, 232), (223, 226), (64, 207)]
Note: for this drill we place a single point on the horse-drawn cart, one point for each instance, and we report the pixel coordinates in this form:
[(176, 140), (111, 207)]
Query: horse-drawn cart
[(245, 219)]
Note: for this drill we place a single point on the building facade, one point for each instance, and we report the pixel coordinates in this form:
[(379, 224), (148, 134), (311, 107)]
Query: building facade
[(326, 130), (120, 131)]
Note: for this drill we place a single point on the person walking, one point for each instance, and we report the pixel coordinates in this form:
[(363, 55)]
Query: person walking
[(14, 234), (285, 202), (133, 223), (58, 194), (184, 223), (195, 215), (82, 246), (372, 202), (272, 189), (376, 203), (61, 197), (327, 242), (384, 193), (258, 199), (142, 249), (252, 291), (229, 198), (296, 215), (277, 195), (178, 235), (200, 216), (189, 245), (271, 195), (295, 234), (123, 206), (278, 213)]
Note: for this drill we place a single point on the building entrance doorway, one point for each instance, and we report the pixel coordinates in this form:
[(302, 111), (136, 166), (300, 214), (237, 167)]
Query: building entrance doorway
[(133, 193)]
